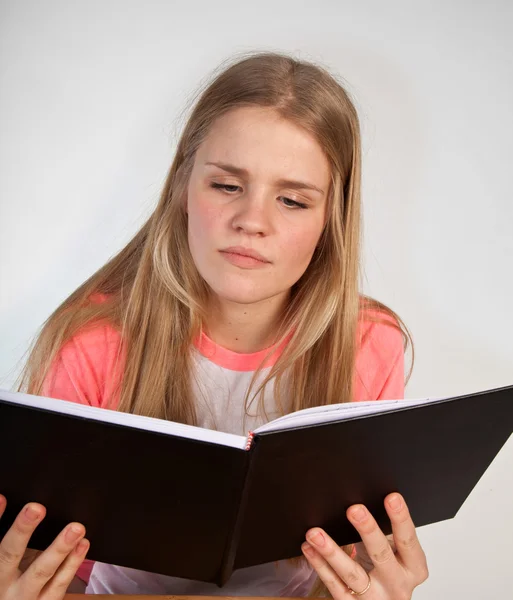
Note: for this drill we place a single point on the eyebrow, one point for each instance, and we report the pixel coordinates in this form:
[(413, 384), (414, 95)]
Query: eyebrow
[(299, 185)]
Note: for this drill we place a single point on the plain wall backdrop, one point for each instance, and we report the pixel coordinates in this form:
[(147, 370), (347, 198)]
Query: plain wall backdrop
[(91, 104)]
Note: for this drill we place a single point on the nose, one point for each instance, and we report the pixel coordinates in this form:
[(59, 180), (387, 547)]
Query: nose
[(253, 213)]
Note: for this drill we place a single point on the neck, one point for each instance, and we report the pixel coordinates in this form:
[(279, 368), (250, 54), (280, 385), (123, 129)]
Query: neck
[(244, 328)]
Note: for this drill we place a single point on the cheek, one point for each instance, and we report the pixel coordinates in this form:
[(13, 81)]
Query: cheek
[(203, 219), (298, 247)]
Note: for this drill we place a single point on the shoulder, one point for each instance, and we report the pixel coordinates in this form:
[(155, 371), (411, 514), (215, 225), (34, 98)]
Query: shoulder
[(94, 343), (380, 357), (87, 367), (379, 332)]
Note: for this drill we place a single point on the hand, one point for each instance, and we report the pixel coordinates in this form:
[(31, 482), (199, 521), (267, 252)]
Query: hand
[(49, 576), (394, 576)]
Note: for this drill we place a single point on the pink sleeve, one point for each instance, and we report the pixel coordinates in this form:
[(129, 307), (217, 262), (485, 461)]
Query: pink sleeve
[(379, 369), (87, 367), (393, 387), (84, 371)]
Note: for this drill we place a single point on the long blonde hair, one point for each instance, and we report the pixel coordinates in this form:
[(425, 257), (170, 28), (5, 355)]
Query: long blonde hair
[(156, 297)]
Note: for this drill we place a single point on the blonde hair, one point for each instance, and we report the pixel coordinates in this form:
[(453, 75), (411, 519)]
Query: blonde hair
[(156, 298)]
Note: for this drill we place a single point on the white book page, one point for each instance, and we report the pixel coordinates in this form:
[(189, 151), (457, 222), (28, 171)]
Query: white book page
[(120, 418), (339, 412)]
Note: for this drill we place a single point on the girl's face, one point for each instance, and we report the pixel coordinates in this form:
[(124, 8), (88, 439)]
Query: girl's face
[(259, 185)]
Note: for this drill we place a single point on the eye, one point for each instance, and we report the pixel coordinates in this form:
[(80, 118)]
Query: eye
[(293, 203), (225, 186), (230, 189)]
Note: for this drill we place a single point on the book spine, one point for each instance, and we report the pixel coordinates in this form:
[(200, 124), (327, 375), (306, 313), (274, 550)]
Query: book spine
[(249, 441), (230, 553)]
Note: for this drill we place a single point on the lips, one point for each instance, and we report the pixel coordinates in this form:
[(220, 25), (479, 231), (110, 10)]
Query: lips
[(241, 251)]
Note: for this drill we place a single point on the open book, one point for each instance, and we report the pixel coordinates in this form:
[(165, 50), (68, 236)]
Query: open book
[(196, 503)]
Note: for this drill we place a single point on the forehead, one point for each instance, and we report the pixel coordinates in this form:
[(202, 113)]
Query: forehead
[(261, 141)]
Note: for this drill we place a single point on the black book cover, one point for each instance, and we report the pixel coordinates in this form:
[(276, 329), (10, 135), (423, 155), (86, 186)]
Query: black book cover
[(432, 454), (198, 510), (148, 500)]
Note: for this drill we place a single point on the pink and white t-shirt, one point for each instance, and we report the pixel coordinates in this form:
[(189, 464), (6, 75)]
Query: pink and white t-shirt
[(85, 371)]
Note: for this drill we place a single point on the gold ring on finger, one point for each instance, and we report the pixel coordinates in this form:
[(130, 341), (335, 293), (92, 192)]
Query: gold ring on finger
[(353, 593)]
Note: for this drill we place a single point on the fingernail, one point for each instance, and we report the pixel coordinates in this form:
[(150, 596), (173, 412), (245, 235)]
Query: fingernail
[(358, 513), (82, 546), (395, 503), (73, 533), (31, 513), (307, 549), (317, 539)]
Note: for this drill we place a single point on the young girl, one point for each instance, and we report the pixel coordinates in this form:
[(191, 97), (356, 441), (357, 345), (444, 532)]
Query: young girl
[(236, 302)]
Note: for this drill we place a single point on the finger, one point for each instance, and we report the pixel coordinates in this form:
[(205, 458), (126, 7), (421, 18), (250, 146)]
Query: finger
[(58, 585), (45, 566), (405, 536), (362, 556), (375, 541), (15, 541), (350, 572), (326, 573)]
